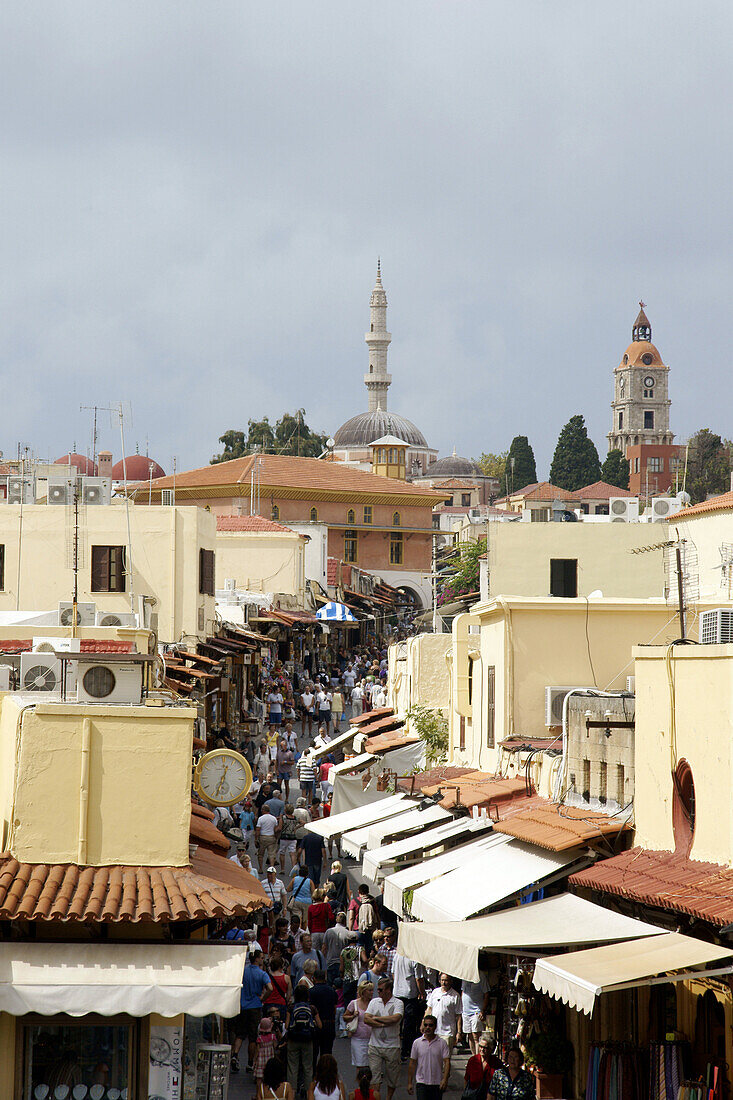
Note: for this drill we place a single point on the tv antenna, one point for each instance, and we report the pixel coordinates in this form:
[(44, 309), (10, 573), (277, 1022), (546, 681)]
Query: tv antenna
[(681, 579)]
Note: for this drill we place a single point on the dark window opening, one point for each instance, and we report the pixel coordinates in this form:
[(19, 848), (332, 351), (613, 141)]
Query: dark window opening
[(649, 419), (491, 706), (683, 807), (466, 500), (470, 680), (564, 577), (206, 572), (2, 568), (462, 734), (620, 421), (108, 569)]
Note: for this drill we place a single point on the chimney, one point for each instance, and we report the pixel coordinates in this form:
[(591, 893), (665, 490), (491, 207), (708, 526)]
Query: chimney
[(104, 464)]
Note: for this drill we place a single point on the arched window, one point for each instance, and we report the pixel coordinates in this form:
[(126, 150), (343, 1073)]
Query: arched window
[(396, 520), (314, 515), (351, 516), (683, 807), (275, 512)]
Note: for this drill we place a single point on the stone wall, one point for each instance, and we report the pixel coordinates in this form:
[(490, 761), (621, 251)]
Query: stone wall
[(600, 759)]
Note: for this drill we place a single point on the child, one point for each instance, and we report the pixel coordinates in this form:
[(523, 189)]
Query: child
[(266, 1048), (364, 1090)]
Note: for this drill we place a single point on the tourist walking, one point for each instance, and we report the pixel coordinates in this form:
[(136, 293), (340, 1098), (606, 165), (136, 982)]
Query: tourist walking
[(255, 984), (282, 988), (409, 986), (306, 770), (265, 1050), (513, 1082), (320, 917), (310, 853), (474, 1003), (364, 1090), (445, 1004), (429, 1065), (300, 892), (326, 1083), (300, 958), (274, 1084), (324, 999), (334, 941), (337, 708), (360, 1031), (340, 896), (482, 1067), (384, 1015), (288, 837), (308, 709), (302, 1029)]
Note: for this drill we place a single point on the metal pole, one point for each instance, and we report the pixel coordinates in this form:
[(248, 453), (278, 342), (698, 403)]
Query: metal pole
[(678, 553), (435, 584)]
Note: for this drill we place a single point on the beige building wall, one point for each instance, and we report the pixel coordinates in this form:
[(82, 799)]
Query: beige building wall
[(165, 561), (262, 561), (419, 673), (684, 710), (133, 757), (519, 557), (532, 643), (711, 533)]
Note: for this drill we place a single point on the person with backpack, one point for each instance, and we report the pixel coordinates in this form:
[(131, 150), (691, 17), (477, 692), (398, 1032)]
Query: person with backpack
[(307, 952), (324, 999), (300, 892), (367, 920), (304, 1023)]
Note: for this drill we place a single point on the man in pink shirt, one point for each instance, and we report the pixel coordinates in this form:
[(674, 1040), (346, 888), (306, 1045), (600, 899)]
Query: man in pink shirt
[(429, 1063)]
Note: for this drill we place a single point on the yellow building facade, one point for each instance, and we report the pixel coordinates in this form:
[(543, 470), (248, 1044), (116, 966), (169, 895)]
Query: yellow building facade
[(269, 560)]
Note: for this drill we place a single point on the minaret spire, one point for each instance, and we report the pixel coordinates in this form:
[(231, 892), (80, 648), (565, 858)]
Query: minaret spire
[(377, 380)]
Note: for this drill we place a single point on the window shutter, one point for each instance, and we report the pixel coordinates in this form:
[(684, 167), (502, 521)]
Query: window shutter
[(2, 567), (100, 568), (491, 706), (206, 572)]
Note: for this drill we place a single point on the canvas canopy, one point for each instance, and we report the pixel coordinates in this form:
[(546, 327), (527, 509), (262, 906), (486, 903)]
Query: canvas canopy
[(354, 841), (398, 882), (362, 815), (378, 859)]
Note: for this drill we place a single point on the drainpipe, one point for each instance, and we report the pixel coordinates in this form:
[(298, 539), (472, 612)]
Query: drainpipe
[(86, 740)]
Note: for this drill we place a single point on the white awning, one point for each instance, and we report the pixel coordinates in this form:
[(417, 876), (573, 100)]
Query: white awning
[(109, 978), (353, 842), (354, 764), (555, 922), (335, 743), (355, 819), (410, 877), (578, 978), (491, 876), (377, 860)]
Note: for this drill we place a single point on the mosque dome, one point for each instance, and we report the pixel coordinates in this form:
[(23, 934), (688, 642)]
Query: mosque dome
[(453, 466), (363, 429), (138, 469), (83, 465)]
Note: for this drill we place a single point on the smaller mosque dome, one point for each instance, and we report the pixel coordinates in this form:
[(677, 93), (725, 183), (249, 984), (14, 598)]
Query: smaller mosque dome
[(84, 465), (138, 469), (454, 466)]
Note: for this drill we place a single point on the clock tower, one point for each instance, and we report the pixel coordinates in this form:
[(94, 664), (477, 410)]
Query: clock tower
[(640, 413)]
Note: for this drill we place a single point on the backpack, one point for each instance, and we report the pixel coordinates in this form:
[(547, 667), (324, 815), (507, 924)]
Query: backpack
[(367, 919), (302, 1024)]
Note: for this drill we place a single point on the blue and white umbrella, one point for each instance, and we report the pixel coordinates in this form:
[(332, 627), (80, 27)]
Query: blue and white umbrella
[(334, 612)]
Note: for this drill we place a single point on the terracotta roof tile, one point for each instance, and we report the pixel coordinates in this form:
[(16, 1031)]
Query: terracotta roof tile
[(599, 490), (87, 645), (477, 788), (210, 887), (722, 503), (420, 780), (666, 880), (370, 715), (558, 828), (252, 523), (392, 739)]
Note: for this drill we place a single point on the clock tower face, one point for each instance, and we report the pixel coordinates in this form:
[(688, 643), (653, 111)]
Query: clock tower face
[(649, 381)]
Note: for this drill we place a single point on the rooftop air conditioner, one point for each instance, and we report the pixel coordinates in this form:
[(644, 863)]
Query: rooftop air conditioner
[(554, 699), (230, 584), (40, 672), (114, 618), (631, 684), (716, 627), (56, 645), (109, 683), (60, 490), (96, 490), (85, 614), (662, 507), (168, 497), (623, 509), (21, 490), (6, 677)]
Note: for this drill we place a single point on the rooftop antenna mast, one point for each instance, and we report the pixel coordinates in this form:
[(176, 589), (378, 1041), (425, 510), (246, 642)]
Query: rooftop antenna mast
[(75, 546), (681, 579), (95, 438), (118, 411)]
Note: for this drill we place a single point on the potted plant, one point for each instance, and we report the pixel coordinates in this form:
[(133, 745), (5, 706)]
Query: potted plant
[(549, 1056)]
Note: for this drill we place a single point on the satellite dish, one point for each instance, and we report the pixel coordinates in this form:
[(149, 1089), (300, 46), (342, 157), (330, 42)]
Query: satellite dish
[(330, 443)]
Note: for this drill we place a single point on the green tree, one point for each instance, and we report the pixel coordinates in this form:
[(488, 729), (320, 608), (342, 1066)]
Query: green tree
[(289, 436), (615, 469), (522, 471), (464, 573), (708, 465), (575, 462), (493, 465), (235, 445)]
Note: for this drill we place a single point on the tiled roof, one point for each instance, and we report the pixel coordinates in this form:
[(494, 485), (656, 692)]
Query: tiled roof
[(538, 490), (332, 571), (479, 789), (420, 780), (545, 490), (87, 645), (392, 739), (454, 509), (560, 827), (380, 725), (666, 880), (285, 470), (370, 715), (599, 490), (252, 523), (210, 886), (722, 503), (454, 483)]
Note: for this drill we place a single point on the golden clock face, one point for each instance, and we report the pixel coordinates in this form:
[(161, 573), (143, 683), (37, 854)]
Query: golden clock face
[(222, 777)]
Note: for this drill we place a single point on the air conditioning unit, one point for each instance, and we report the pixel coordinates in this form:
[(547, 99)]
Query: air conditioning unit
[(662, 507), (96, 490), (60, 490), (623, 509), (716, 627), (114, 618), (112, 683), (40, 672), (554, 699), (631, 684), (6, 677), (21, 490), (57, 645), (85, 614), (168, 497)]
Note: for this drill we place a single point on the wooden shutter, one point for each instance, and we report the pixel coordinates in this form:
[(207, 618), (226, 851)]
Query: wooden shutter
[(490, 706), (462, 733), (2, 567), (117, 569), (100, 568), (206, 572)]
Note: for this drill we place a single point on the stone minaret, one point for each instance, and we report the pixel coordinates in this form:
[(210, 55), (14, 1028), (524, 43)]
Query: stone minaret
[(377, 381)]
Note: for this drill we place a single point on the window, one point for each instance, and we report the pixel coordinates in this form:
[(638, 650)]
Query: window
[(683, 807), (395, 548), (603, 783), (470, 680), (108, 569), (601, 509), (314, 515), (462, 734), (563, 576), (648, 419), (350, 545), (380, 455), (275, 512), (392, 455), (351, 516), (396, 520), (648, 359), (539, 515), (436, 522), (620, 421), (206, 572), (56, 1048), (2, 568), (491, 706), (654, 465), (620, 785), (466, 500), (648, 393), (636, 465), (367, 513)]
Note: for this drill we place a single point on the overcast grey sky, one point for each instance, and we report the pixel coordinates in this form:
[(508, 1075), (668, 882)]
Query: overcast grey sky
[(194, 196)]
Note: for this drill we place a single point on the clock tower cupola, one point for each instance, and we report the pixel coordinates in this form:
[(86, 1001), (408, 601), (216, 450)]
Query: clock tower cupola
[(640, 409)]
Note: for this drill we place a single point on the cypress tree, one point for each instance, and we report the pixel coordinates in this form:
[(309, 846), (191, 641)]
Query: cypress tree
[(525, 470), (615, 469), (575, 462)]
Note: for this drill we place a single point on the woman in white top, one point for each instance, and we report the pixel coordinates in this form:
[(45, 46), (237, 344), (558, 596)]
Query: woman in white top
[(274, 1085), (308, 706), (262, 761), (326, 1083)]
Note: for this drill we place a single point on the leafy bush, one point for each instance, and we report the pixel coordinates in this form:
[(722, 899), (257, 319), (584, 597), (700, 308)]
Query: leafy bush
[(432, 728)]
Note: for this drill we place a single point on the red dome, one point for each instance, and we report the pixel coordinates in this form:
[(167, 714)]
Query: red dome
[(138, 469), (84, 465)]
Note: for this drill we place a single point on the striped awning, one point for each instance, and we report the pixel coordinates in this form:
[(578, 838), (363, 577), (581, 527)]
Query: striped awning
[(334, 612)]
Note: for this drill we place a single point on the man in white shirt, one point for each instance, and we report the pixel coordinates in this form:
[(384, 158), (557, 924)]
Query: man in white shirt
[(445, 1005), (308, 705), (349, 680), (275, 890), (275, 703), (323, 701), (383, 1016), (357, 700), (474, 1002), (409, 986), (266, 839)]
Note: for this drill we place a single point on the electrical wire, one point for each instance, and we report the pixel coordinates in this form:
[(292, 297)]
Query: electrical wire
[(587, 642)]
